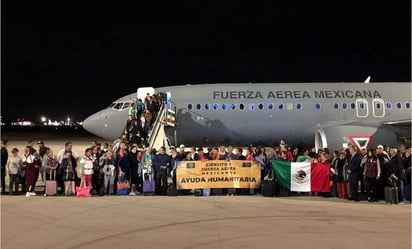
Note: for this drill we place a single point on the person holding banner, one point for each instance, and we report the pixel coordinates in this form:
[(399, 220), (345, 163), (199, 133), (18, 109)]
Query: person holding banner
[(174, 161)]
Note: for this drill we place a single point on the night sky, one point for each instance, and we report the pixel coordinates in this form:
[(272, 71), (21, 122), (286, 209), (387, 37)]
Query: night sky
[(74, 58)]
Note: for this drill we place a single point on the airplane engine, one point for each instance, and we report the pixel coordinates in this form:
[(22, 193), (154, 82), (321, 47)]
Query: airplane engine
[(335, 137)]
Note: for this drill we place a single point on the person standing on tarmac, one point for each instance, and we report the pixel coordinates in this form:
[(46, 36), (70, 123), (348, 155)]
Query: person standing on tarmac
[(4, 157), (161, 166), (354, 171)]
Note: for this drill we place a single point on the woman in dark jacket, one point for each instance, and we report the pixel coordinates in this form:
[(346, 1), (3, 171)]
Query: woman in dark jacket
[(133, 169), (342, 177)]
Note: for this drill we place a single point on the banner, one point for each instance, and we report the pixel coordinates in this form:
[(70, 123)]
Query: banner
[(218, 174)]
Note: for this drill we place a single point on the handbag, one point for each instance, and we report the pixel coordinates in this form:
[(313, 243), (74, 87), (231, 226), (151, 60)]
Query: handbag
[(123, 185), (82, 190)]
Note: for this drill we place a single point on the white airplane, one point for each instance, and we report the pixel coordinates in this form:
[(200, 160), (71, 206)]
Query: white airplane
[(325, 114)]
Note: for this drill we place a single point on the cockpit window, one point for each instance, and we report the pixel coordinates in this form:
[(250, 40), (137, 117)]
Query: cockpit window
[(126, 105), (118, 106)]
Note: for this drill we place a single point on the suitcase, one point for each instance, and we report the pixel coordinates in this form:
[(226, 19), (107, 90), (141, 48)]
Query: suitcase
[(391, 195), (268, 188), (51, 185), (171, 190), (148, 187)]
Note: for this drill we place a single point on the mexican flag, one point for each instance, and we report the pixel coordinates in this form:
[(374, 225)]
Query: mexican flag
[(302, 176), (170, 118)]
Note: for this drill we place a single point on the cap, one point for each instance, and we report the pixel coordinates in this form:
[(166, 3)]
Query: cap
[(380, 146), (182, 146), (40, 142)]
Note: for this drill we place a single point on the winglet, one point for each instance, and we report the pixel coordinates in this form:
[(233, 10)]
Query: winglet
[(367, 80)]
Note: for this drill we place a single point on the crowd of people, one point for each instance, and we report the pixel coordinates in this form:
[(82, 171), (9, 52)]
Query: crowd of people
[(141, 116), (354, 175)]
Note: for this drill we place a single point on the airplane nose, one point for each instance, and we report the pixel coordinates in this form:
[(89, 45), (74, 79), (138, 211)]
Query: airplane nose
[(93, 123), (88, 124)]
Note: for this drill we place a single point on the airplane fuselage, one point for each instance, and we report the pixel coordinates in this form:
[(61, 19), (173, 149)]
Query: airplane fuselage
[(241, 114)]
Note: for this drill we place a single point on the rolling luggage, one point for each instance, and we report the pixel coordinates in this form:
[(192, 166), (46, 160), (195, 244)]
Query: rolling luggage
[(51, 185), (148, 187), (268, 185), (268, 188), (391, 195)]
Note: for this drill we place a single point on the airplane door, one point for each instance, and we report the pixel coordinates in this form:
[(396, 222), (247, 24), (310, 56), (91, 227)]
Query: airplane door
[(361, 106), (143, 91), (378, 108), (168, 100)]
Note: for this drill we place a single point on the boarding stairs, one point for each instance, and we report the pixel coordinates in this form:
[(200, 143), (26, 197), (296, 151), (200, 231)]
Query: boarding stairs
[(165, 118)]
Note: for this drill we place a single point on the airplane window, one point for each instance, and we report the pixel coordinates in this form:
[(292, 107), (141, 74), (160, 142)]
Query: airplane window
[(378, 105), (112, 105), (126, 105), (251, 106), (280, 106), (118, 106), (408, 105), (336, 106), (198, 106), (242, 106), (398, 105), (388, 105), (362, 106), (344, 106), (298, 106), (215, 106), (260, 106), (207, 106), (232, 106), (317, 106), (189, 106), (352, 105), (270, 106), (224, 106)]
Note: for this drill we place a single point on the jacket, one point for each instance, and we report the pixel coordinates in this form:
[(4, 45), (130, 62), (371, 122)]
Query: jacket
[(354, 163), (161, 160), (86, 166), (14, 164)]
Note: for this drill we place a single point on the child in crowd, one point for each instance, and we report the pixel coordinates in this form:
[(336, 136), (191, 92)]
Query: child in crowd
[(13, 166), (86, 167)]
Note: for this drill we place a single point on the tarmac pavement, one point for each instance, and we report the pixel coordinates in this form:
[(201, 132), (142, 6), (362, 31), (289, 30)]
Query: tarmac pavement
[(201, 222)]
